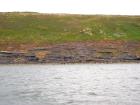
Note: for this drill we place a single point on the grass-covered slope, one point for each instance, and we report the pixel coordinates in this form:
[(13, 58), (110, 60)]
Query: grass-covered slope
[(46, 28)]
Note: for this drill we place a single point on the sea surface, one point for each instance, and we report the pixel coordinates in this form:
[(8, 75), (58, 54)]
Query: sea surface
[(72, 84)]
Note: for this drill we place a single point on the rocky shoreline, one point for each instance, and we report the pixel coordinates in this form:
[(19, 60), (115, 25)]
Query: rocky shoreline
[(78, 52)]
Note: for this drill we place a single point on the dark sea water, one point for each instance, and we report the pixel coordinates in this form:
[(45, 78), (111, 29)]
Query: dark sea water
[(78, 84)]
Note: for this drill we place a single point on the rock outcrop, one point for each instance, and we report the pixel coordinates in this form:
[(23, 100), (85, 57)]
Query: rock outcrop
[(75, 53)]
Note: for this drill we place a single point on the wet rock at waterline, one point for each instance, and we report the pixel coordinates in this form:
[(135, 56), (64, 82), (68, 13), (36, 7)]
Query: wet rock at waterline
[(73, 53)]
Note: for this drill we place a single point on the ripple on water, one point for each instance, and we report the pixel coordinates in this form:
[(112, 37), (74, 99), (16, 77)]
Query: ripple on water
[(114, 84), (92, 93)]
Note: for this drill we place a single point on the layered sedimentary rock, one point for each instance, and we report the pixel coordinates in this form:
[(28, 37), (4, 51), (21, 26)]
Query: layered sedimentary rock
[(76, 53)]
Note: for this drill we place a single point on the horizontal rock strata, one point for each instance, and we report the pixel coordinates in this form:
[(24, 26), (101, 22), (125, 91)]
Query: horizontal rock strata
[(75, 53)]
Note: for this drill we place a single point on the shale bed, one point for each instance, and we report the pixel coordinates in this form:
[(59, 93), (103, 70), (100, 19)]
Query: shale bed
[(75, 52)]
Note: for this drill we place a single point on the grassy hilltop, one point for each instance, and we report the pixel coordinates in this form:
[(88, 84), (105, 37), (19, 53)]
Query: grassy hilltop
[(36, 28)]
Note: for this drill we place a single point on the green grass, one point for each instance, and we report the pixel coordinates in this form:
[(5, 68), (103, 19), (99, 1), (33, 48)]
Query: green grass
[(46, 28)]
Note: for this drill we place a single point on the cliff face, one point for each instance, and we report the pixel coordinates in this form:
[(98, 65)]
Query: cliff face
[(54, 38), (78, 52)]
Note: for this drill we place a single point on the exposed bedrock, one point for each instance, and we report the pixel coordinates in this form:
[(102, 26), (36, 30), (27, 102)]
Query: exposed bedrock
[(75, 53)]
